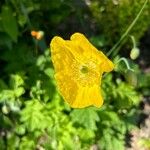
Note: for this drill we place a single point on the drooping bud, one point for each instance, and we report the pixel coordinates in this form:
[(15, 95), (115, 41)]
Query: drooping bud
[(135, 52)]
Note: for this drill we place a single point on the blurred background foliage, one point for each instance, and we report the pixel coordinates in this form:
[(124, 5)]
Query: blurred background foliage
[(116, 16), (32, 113)]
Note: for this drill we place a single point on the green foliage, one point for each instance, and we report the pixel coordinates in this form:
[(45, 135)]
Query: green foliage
[(88, 117), (120, 93), (41, 113), (114, 17), (32, 113), (9, 23), (144, 86)]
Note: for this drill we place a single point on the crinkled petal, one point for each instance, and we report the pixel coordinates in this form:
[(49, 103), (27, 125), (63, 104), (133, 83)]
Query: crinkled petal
[(107, 64), (89, 51), (67, 87), (62, 58), (87, 96)]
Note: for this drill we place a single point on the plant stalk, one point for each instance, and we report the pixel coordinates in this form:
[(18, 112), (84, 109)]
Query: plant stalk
[(114, 48)]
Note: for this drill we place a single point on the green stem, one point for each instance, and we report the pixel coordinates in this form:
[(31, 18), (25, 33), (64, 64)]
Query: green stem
[(126, 63), (126, 32), (133, 41)]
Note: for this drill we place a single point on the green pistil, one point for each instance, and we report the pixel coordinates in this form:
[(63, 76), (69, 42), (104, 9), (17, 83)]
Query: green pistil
[(84, 69)]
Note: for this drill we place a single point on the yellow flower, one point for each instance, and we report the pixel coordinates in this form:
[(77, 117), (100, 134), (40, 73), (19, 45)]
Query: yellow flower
[(78, 70)]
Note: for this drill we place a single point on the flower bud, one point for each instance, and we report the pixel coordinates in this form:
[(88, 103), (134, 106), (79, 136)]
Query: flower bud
[(135, 52), (37, 34), (34, 33), (40, 35)]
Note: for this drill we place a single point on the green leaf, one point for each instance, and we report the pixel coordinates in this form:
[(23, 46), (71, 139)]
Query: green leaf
[(33, 117), (126, 96), (143, 83), (20, 129), (16, 81), (12, 141), (19, 91), (98, 41), (22, 20), (49, 72), (110, 116), (6, 95), (40, 61), (2, 143), (27, 143), (2, 85), (5, 40), (131, 77), (120, 93), (9, 23), (86, 117), (109, 141), (86, 134), (1, 26)]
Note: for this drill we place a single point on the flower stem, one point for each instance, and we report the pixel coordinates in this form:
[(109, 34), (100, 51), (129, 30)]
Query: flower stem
[(133, 41), (126, 63), (114, 48)]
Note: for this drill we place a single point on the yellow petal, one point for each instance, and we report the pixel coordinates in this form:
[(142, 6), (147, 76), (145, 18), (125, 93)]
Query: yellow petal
[(61, 56), (107, 64), (87, 96), (63, 64), (82, 43), (89, 51), (67, 87)]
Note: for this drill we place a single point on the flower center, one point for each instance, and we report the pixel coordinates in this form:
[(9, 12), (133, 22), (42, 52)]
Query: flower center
[(84, 69), (86, 73)]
